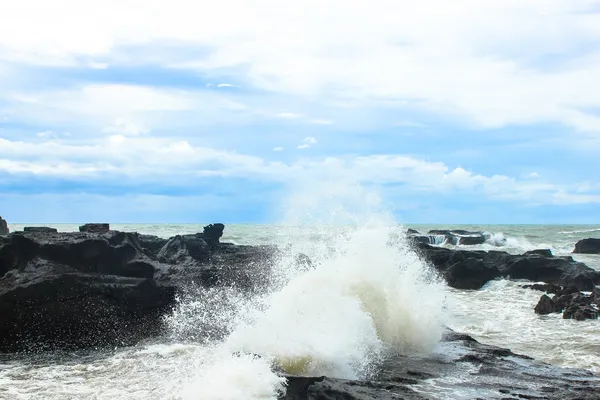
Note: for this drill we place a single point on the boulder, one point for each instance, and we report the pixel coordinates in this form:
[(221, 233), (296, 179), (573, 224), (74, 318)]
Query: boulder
[(95, 228), (411, 231), (471, 240), (587, 246), (40, 229), (546, 306), (4, 227), (580, 312)]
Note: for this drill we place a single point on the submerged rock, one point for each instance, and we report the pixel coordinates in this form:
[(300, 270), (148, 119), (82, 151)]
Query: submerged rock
[(587, 246)]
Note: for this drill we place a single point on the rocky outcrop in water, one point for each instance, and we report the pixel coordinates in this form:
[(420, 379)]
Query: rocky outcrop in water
[(40, 229), (82, 289), (465, 269), (457, 237), (461, 368), (4, 227), (569, 301), (587, 246)]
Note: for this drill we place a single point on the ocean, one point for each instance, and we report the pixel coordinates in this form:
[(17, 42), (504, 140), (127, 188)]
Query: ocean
[(335, 320)]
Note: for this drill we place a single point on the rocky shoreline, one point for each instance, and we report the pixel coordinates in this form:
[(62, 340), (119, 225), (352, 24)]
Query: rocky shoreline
[(99, 287)]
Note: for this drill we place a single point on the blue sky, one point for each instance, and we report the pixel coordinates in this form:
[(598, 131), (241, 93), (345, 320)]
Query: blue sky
[(181, 111)]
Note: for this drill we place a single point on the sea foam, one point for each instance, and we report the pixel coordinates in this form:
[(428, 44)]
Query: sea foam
[(366, 294)]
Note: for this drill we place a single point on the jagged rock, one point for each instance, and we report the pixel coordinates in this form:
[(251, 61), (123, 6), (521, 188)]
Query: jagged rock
[(151, 244), (588, 246), (4, 227), (95, 228), (546, 306), (548, 288), (40, 229), (580, 312), (212, 233)]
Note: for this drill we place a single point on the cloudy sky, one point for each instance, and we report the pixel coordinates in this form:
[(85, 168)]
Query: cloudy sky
[(466, 111)]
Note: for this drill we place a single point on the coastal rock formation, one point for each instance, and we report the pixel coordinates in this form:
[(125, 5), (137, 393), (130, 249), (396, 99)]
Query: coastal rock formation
[(571, 302), (587, 246), (457, 237), (4, 227), (535, 266), (80, 289), (462, 365), (40, 229), (95, 228)]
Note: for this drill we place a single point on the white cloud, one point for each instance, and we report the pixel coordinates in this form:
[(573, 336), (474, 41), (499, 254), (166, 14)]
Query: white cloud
[(125, 127), (278, 148), (163, 161), (477, 70), (307, 143), (288, 115), (226, 85)]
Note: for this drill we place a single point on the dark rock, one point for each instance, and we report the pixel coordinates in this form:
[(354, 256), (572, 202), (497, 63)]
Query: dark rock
[(546, 306), (587, 246), (482, 369), (95, 228), (580, 312), (471, 240), (471, 273), (40, 229), (539, 252), (533, 267), (151, 244), (4, 227), (548, 288), (184, 249), (212, 233), (411, 231)]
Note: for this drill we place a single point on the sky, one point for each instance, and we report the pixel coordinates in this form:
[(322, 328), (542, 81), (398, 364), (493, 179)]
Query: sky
[(470, 111)]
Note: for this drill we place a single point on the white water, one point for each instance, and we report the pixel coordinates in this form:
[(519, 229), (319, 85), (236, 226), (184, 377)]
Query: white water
[(370, 296)]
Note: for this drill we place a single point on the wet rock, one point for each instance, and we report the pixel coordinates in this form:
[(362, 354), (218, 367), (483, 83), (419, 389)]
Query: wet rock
[(580, 312), (40, 229), (464, 366), (411, 231), (471, 273), (539, 252), (543, 287), (95, 228), (4, 227), (546, 306), (587, 246), (472, 240), (533, 267), (151, 244)]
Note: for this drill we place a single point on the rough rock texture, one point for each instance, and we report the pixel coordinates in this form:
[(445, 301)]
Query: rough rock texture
[(587, 246), (41, 229), (4, 227), (81, 289), (562, 271), (461, 368), (572, 303), (444, 236), (95, 228), (546, 306)]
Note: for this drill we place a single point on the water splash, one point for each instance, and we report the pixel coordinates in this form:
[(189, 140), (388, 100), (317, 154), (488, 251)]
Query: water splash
[(365, 294)]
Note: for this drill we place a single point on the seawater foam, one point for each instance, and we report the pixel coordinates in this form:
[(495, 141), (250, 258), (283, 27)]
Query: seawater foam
[(367, 294)]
